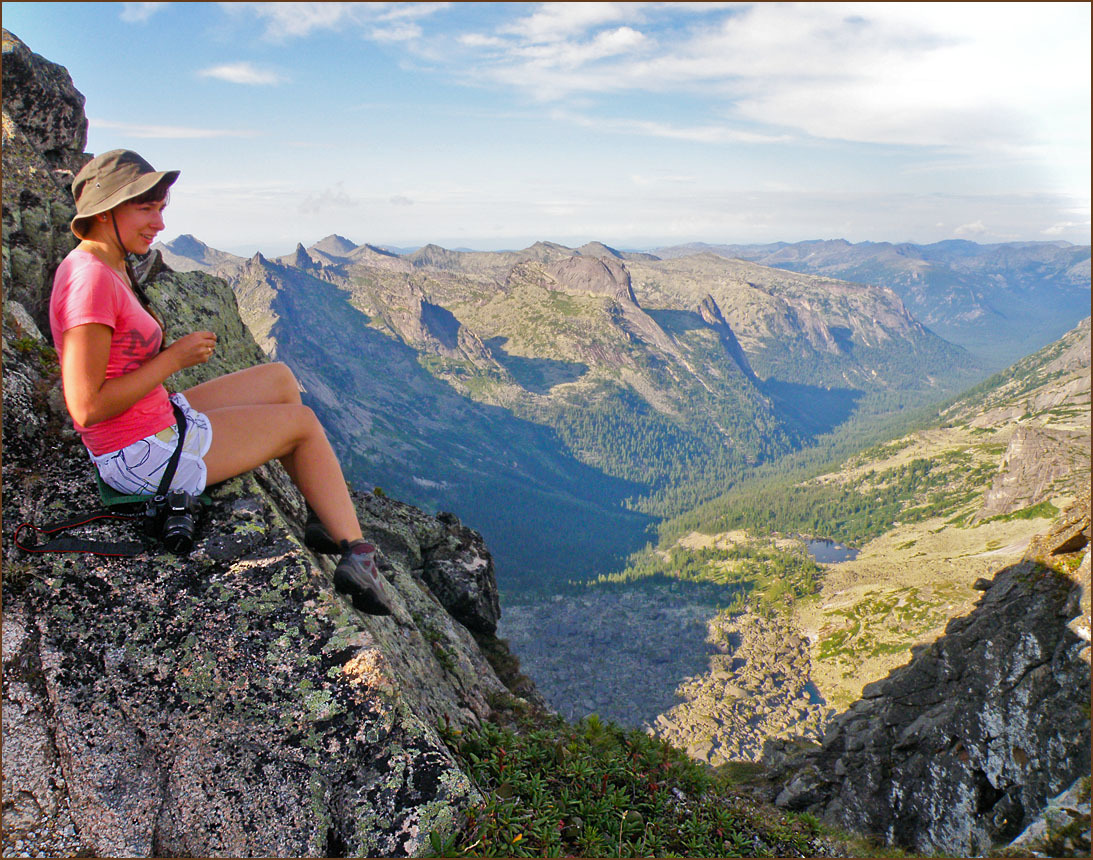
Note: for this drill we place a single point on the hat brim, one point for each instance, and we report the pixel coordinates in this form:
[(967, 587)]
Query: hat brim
[(127, 192)]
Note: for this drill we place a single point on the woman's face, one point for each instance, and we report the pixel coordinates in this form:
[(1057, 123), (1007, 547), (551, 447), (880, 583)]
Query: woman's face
[(139, 224)]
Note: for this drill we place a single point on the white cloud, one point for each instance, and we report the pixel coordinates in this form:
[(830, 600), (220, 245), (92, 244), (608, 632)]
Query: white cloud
[(569, 55), (283, 20), (297, 20), (241, 73), (397, 33), (168, 132), (400, 11), (651, 128), (136, 13), (401, 200), (557, 21), (1066, 227), (478, 40), (975, 228), (1005, 76), (331, 197)]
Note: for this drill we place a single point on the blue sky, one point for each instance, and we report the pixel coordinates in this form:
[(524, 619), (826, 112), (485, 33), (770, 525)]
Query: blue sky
[(637, 124)]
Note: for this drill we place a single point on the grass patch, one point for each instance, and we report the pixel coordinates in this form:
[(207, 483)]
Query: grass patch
[(1044, 510)]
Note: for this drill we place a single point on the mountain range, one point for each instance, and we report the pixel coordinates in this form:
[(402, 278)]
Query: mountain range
[(1000, 301), (229, 703), (592, 388)]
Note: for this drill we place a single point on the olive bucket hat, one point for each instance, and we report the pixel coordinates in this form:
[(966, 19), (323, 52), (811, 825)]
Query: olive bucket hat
[(110, 179)]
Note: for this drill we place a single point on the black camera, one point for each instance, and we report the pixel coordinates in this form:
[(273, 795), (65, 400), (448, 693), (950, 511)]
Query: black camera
[(172, 518)]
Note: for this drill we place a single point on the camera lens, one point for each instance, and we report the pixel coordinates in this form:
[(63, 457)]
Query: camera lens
[(178, 533)]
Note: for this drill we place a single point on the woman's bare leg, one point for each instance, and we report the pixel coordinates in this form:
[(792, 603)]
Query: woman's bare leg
[(245, 437), (262, 384)]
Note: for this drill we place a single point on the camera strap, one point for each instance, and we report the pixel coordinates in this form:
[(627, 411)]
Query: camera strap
[(123, 548), (76, 544), (176, 455)]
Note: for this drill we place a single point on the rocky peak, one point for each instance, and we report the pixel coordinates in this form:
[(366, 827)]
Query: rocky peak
[(599, 276), (546, 251), (598, 249), (435, 257), (40, 99), (299, 258), (188, 245), (334, 246)]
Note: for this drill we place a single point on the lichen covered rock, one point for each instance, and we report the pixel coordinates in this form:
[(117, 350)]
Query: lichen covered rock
[(44, 133), (229, 702)]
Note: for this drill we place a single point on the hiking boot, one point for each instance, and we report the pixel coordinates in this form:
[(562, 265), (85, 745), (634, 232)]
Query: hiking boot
[(357, 577), (317, 538)]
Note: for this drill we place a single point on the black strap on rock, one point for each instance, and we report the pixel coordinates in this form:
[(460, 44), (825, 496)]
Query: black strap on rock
[(75, 544), (122, 548)]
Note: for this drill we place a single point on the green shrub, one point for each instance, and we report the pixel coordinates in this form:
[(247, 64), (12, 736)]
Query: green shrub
[(592, 789)]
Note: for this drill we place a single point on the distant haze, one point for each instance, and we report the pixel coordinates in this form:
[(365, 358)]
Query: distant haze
[(495, 125)]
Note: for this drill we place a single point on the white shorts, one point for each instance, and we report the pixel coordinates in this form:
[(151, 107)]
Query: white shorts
[(138, 468)]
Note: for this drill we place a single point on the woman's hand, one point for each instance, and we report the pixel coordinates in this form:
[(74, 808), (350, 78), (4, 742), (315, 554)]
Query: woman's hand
[(192, 349)]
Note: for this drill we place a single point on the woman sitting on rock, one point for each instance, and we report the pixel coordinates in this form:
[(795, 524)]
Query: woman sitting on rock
[(113, 368)]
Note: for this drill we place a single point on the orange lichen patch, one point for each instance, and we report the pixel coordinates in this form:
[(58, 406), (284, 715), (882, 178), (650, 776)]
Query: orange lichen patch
[(368, 667)]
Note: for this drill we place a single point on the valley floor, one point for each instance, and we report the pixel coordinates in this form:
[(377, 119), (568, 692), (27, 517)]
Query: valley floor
[(719, 685)]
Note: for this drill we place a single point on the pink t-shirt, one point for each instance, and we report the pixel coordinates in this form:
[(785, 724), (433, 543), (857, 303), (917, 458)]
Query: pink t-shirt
[(86, 290)]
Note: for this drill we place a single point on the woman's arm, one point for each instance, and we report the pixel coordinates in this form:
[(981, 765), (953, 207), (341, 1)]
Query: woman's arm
[(91, 397)]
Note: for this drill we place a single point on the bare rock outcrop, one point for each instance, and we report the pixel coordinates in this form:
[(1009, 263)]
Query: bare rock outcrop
[(228, 703), (1036, 462), (712, 316), (609, 277), (601, 277), (963, 748), (44, 133), (41, 100)]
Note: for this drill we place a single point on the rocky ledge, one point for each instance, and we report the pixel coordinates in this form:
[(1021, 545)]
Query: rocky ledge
[(229, 703), (226, 703)]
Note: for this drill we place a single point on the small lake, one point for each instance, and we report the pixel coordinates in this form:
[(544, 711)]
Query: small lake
[(814, 695), (828, 552)]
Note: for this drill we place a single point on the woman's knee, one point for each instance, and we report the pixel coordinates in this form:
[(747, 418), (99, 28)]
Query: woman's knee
[(284, 382), (307, 422)]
